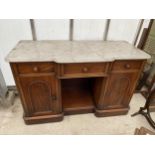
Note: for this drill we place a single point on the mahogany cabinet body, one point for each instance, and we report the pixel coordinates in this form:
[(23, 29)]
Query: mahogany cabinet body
[(51, 90)]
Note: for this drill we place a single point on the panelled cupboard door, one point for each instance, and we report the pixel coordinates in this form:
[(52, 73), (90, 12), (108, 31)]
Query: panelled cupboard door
[(119, 90), (40, 94)]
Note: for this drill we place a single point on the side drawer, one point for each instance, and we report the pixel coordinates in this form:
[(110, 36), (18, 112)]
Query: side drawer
[(84, 69), (35, 67), (126, 65)]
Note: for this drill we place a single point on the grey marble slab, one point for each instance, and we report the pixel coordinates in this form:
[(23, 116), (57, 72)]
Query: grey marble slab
[(74, 51)]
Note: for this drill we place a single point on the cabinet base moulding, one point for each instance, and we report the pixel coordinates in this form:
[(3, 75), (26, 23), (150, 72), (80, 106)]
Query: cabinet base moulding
[(43, 119), (111, 112)]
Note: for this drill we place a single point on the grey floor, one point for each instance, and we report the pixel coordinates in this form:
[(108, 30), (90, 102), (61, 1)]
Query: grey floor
[(11, 122)]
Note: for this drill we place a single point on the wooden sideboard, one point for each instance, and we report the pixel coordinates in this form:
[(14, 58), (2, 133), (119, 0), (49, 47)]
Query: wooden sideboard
[(49, 90)]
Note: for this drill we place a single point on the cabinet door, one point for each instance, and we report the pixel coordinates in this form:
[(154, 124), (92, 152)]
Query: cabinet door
[(41, 94), (119, 89)]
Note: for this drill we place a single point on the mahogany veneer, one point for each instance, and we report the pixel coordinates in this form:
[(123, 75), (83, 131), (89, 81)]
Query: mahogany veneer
[(49, 90)]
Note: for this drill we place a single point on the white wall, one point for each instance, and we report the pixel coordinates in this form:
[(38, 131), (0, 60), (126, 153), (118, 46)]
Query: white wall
[(88, 29), (56, 29), (11, 31), (123, 29)]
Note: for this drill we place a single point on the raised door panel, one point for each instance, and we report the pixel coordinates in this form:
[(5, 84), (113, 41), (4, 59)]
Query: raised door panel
[(119, 90), (40, 94)]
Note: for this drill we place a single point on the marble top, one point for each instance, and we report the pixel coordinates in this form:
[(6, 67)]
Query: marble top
[(74, 51)]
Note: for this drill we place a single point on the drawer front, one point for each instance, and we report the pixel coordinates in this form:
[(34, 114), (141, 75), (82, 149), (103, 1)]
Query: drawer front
[(84, 69), (28, 68), (126, 65)]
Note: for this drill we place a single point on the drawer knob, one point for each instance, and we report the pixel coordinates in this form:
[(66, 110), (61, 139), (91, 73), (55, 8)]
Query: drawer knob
[(127, 66), (85, 69), (35, 69)]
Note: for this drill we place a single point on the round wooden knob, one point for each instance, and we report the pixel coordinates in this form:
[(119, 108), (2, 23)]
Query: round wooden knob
[(85, 69), (127, 66), (35, 69)]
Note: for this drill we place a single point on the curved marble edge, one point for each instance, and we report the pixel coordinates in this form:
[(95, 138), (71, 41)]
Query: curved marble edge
[(74, 52)]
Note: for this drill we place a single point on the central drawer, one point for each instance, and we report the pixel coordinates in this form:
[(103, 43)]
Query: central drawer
[(84, 69)]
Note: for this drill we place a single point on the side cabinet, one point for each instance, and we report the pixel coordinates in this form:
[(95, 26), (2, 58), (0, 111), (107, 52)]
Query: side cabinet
[(119, 87), (40, 91)]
